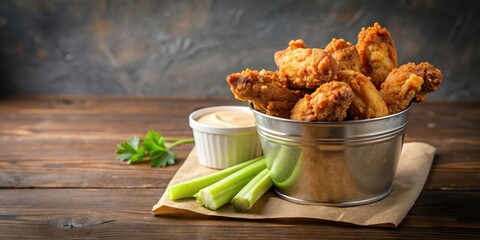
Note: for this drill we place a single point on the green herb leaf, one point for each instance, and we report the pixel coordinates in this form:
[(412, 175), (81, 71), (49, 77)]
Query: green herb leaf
[(152, 148), (154, 141), (130, 150), (159, 158), (139, 156)]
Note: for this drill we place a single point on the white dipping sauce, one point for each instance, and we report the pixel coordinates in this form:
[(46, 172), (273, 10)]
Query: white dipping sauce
[(228, 119)]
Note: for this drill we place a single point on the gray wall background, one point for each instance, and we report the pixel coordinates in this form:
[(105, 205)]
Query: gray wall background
[(187, 48)]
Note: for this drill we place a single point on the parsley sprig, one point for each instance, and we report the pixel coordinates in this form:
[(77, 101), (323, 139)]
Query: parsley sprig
[(152, 148)]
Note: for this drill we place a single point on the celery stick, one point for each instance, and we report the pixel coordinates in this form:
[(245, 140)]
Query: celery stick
[(220, 193), (284, 163), (190, 188), (245, 199)]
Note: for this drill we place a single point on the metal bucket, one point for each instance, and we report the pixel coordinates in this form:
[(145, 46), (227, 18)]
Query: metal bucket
[(332, 163)]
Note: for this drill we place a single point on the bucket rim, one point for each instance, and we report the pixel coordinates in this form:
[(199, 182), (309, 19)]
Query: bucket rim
[(347, 122)]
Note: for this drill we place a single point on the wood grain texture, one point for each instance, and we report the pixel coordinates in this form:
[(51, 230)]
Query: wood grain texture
[(125, 212), (59, 177)]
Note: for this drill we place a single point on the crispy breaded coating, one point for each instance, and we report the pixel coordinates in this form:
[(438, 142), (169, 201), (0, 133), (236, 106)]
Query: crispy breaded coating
[(409, 82), (367, 103), (399, 89), (328, 103), (345, 54), (344, 81), (261, 86), (432, 78), (378, 54), (299, 43), (266, 90), (305, 67), (280, 109)]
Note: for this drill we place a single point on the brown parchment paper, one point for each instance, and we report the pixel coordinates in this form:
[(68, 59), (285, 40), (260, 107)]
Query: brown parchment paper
[(412, 172)]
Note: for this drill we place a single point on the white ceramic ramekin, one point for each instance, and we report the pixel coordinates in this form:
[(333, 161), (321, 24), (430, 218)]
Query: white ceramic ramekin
[(221, 147)]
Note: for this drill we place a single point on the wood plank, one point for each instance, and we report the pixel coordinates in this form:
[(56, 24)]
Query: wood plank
[(69, 142), (59, 178), (437, 118), (90, 162), (87, 213), (100, 126), (83, 164), (96, 104)]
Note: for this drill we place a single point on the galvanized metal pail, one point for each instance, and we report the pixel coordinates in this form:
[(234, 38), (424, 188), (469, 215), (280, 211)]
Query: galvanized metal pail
[(332, 163)]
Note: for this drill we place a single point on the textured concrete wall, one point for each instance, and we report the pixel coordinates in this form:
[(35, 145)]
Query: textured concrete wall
[(187, 48)]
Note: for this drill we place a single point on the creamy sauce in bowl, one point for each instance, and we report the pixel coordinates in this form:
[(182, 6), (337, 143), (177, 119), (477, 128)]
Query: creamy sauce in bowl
[(228, 119), (224, 135)]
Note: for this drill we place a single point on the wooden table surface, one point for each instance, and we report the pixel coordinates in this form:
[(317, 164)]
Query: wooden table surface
[(59, 177)]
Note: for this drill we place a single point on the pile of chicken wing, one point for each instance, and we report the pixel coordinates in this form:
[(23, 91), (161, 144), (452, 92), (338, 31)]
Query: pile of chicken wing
[(340, 82)]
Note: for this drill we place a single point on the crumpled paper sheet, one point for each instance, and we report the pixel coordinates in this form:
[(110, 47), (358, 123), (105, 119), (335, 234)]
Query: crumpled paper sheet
[(412, 172)]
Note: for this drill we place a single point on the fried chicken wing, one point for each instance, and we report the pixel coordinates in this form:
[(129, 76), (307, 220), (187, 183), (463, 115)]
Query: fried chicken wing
[(345, 54), (368, 102), (266, 90), (275, 108), (305, 67), (378, 54), (409, 82), (343, 81), (261, 86), (328, 103), (432, 78)]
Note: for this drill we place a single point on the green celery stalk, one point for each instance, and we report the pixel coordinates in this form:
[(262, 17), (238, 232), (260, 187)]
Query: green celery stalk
[(283, 165), (245, 199), (222, 192), (190, 188)]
